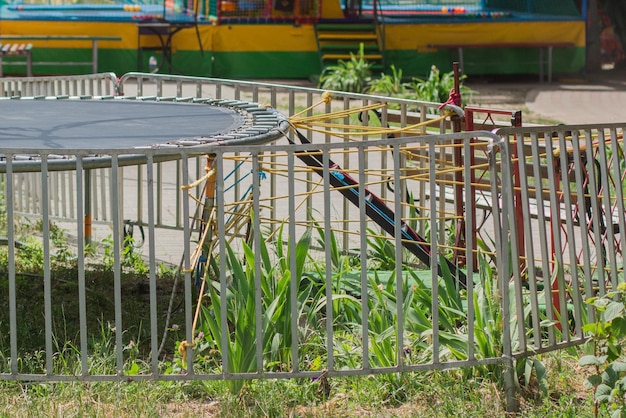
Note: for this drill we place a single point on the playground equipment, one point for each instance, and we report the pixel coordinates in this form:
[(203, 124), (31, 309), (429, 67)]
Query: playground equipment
[(281, 39), (385, 202)]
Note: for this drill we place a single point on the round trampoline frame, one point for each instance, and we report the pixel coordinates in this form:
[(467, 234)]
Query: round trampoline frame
[(53, 128)]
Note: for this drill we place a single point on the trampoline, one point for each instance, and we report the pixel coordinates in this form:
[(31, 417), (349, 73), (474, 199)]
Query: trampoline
[(52, 125)]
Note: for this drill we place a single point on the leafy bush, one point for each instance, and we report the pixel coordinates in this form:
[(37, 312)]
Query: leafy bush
[(606, 358), (388, 84), (436, 88), (352, 76), (355, 76)]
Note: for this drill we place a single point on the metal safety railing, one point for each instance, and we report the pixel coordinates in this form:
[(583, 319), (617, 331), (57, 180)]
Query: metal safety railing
[(296, 296), (378, 221), (566, 214), (104, 84), (287, 99)]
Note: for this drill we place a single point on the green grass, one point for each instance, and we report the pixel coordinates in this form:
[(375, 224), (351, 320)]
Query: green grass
[(427, 394), (471, 391)]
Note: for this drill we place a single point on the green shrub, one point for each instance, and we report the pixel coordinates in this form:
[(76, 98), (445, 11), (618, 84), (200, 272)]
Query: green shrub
[(352, 76), (436, 88), (388, 84), (606, 359)]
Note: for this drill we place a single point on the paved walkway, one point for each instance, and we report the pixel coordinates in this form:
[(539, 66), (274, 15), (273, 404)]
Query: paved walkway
[(598, 99), (569, 100)]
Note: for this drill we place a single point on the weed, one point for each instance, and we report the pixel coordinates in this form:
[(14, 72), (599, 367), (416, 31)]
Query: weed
[(388, 84), (608, 337), (437, 87), (352, 76)]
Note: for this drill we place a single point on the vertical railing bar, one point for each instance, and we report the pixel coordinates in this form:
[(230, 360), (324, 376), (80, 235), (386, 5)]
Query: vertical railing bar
[(569, 224), (616, 151), (446, 158), (397, 232), (309, 173), (258, 292), (528, 238), (183, 165), (82, 290), (70, 188), (25, 198), (611, 251), (47, 291), (159, 195), (273, 179), (346, 166), (139, 209), (36, 191), (383, 153), (117, 270), (91, 195), (237, 180), (11, 261), (508, 212), (57, 195), (363, 253), (101, 174), (595, 207), (543, 239), (221, 232), (328, 256), (555, 221), (469, 252), (139, 86), (18, 198), (295, 280), (154, 360), (404, 164), (179, 88), (61, 194), (67, 206), (421, 164), (255, 96), (586, 253), (182, 177), (53, 199), (218, 91), (434, 258), (200, 164)]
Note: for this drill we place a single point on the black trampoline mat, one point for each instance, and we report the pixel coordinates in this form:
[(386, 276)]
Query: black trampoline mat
[(109, 124)]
